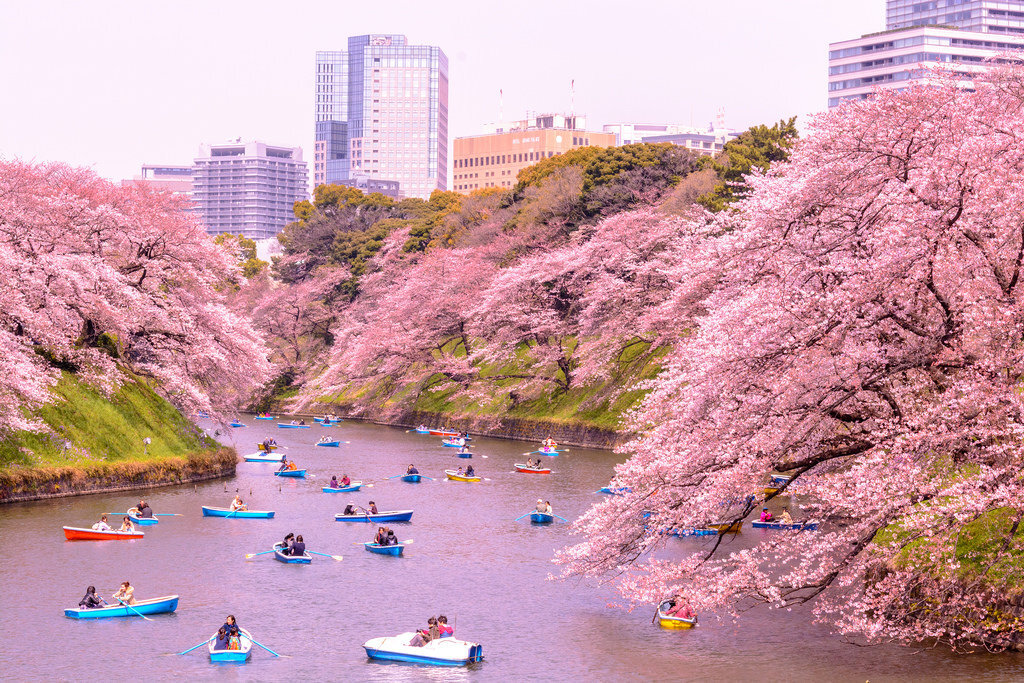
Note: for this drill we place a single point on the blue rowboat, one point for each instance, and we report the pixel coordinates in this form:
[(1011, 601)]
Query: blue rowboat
[(547, 451), (453, 443), (304, 558), (422, 431), (235, 424), (541, 518), (390, 516), (238, 514), (331, 444), (395, 550), (354, 486), (615, 491), (464, 455), (263, 456), (267, 417), (795, 526), (133, 515), (439, 652), (299, 474), (284, 426), (240, 655), (411, 478), (693, 532), (162, 605)]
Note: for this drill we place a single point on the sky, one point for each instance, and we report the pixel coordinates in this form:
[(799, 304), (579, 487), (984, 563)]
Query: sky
[(112, 85)]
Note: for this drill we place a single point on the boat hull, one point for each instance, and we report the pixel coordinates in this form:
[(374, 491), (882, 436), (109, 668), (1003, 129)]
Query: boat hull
[(264, 418), (284, 426), (455, 476), (779, 526), (304, 558), (440, 652), (354, 486), (674, 623), (237, 514), (464, 455), (727, 527), (232, 656), (329, 444), (236, 424), (442, 432), (618, 491), (152, 606), (453, 443), (412, 478), (73, 533), (422, 431), (273, 447), (297, 474), (395, 550), (541, 518), (142, 521), (392, 516), (531, 470), (693, 532), (264, 457), (551, 452)]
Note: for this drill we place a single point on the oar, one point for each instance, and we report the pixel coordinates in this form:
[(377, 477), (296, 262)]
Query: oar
[(561, 518), (255, 642), (333, 557), (252, 555), (426, 477), (397, 476), (168, 514), (521, 516), (197, 647), (134, 610)]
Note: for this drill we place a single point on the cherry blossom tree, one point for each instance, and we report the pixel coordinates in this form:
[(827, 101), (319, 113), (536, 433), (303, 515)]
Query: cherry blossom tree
[(96, 275), (857, 323)]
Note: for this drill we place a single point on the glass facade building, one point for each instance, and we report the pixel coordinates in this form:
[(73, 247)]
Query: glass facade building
[(382, 114), (982, 16), (248, 188)]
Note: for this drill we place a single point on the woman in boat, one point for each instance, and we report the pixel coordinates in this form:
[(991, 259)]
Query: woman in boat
[(443, 628), (91, 600), (424, 636), (548, 443), (469, 471), (234, 641), (302, 423), (298, 548), (412, 470), (350, 509), (237, 504), (221, 643), (334, 483), (288, 540), (391, 539), (373, 508), (125, 594), (229, 624), (143, 510), (381, 536), (345, 481), (422, 428), (102, 524), (786, 518), (547, 507), (765, 515), (680, 608), (127, 525)]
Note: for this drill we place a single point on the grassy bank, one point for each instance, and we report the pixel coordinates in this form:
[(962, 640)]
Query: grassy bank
[(94, 441)]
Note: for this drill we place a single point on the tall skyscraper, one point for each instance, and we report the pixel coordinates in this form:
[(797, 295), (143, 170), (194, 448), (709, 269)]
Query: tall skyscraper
[(248, 188), (962, 34), (382, 114)]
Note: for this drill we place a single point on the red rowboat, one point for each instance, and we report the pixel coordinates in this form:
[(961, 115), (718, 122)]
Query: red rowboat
[(76, 534), (442, 432), (532, 470)]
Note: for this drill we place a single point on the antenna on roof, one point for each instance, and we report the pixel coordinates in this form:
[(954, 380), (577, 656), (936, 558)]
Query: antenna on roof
[(572, 98)]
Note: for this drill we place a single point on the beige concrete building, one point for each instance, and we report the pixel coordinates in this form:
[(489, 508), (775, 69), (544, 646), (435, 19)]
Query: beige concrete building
[(494, 159)]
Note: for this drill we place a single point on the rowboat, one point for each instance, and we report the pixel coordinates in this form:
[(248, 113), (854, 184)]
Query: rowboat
[(242, 654), (693, 532), (795, 526), (273, 447), (281, 425), (442, 432), (421, 431), (299, 474), (332, 444), (520, 467), (618, 491), (541, 518), (667, 621), (354, 486), (439, 652), (73, 533), (411, 478), (304, 558), (547, 450), (464, 455), (242, 514), (325, 422), (235, 424), (453, 443), (133, 514), (264, 417), (167, 603), (777, 482), (726, 527), (264, 457), (455, 476), (390, 516), (395, 550)]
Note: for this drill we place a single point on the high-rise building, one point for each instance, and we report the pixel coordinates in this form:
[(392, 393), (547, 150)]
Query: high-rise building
[(958, 33), (382, 113), (248, 188), (494, 159), (168, 177)]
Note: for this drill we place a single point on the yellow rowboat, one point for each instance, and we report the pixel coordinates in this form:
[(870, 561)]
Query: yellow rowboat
[(670, 622), (455, 476), (770, 490), (727, 527)]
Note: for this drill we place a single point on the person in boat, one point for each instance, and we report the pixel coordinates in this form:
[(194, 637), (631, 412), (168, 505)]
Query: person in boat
[(345, 481), (391, 539), (459, 473), (422, 428), (266, 445), (547, 507), (350, 509), (284, 466), (91, 600), (143, 510), (298, 548), (221, 643), (540, 505), (102, 524), (127, 525), (786, 518), (334, 483), (765, 515), (302, 423), (680, 608), (470, 472), (288, 541), (373, 508), (443, 628), (125, 594), (292, 466), (294, 422), (229, 624), (412, 470), (424, 636), (323, 439), (234, 639), (548, 443), (463, 449), (238, 504), (380, 536)]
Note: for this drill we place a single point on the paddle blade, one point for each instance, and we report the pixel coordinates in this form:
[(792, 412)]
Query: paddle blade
[(337, 557)]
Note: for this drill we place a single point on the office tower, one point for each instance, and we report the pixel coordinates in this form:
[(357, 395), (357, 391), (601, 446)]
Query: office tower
[(248, 188), (382, 115), (495, 158), (957, 33)]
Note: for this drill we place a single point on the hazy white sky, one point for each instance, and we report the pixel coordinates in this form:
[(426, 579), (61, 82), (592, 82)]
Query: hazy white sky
[(113, 85)]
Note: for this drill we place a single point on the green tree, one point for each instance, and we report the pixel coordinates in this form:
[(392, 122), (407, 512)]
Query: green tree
[(243, 250)]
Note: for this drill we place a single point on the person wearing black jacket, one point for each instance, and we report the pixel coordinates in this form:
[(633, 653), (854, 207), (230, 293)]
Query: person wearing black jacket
[(91, 600)]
